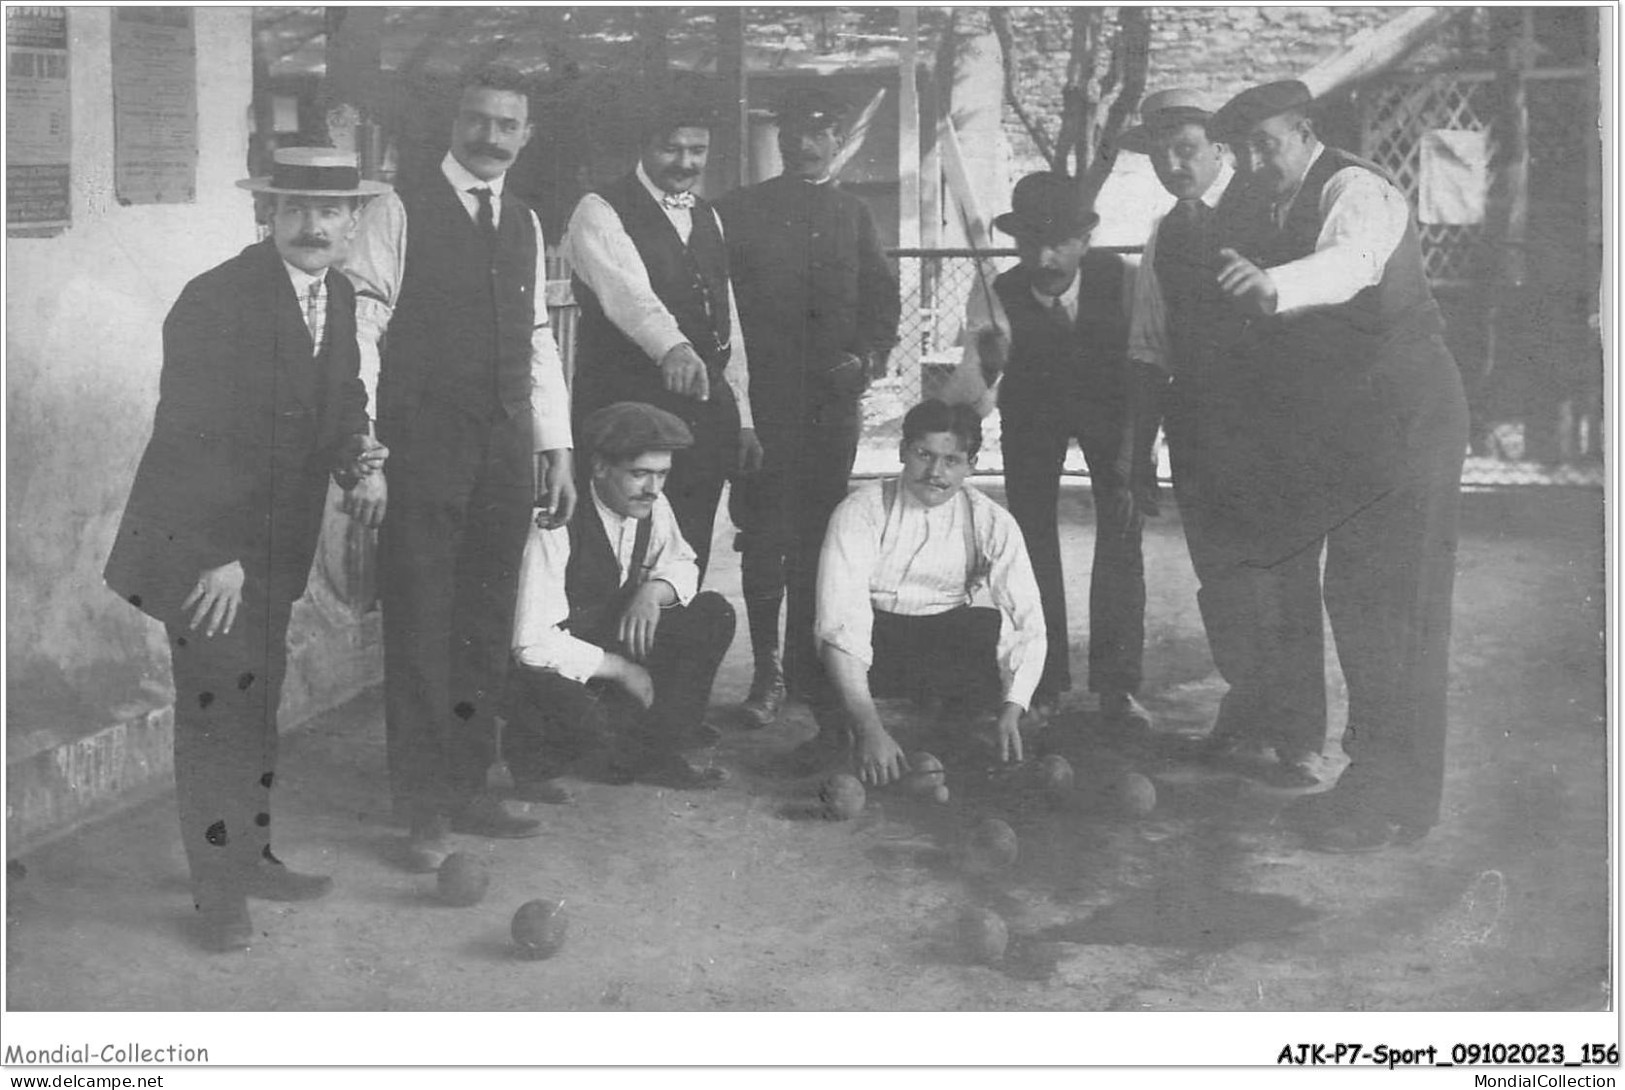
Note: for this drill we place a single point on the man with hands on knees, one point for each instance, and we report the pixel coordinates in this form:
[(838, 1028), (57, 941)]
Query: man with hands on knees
[(614, 646), (259, 404), (902, 562)]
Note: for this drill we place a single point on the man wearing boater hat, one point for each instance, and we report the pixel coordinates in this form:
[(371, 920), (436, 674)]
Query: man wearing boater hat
[(1363, 424), (818, 303), (1267, 645), (1048, 340), (259, 403)]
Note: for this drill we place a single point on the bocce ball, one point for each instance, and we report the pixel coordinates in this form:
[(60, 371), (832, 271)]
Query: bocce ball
[(463, 879), (1055, 774), (842, 797), (991, 846), (983, 935), (925, 774), (539, 927), (1136, 794), (940, 792)]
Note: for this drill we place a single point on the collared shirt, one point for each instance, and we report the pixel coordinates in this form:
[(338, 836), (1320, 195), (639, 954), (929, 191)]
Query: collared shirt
[(1148, 318), (599, 250), (912, 562), (377, 266), (313, 307), (1363, 221), (544, 605), (985, 311)]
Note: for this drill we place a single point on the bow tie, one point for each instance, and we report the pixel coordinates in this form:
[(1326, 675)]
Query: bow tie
[(684, 200)]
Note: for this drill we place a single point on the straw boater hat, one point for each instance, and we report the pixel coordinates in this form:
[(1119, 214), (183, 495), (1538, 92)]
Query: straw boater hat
[(1046, 205), (315, 172), (1176, 105), (1256, 105)]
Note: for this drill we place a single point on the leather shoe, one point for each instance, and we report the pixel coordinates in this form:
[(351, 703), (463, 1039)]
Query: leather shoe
[(485, 816), (675, 771), (271, 880), (223, 923), (1124, 709), (766, 699)]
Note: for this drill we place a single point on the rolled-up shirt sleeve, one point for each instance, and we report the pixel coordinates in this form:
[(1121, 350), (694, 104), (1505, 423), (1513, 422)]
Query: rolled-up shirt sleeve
[(846, 616), (670, 557), (607, 260), (375, 264), (538, 640), (549, 396), (737, 372), (1022, 636), (1363, 221), (1148, 313)]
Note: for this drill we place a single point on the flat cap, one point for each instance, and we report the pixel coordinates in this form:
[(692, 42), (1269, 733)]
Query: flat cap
[(809, 108), (629, 428), (1048, 206), (1255, 105), (1176, 105)]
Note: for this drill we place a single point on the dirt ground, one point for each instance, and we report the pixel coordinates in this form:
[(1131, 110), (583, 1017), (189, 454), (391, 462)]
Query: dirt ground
[(737, 900)]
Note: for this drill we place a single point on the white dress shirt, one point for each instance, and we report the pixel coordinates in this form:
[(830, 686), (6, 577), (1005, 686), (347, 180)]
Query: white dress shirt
[(377, 266), (985, 310), (599, 250), (1363, 220), (1148, 318), (543, 606), (912, 562)]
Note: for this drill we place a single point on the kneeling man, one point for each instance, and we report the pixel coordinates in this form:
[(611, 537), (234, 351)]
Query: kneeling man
[(902, 560), (613, 640)]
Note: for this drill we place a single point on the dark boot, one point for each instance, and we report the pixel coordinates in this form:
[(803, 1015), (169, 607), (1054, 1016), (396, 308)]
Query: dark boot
[(767, 693)]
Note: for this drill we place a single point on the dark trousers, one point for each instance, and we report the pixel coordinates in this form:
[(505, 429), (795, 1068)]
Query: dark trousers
[(952, 656), (552, 719), (1035, 445), (227, 688), (460, 503), (1390, 576), (1264, 622), (782, 513)]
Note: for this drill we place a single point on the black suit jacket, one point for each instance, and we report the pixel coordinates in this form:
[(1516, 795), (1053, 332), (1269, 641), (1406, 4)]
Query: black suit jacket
[(248, 425)]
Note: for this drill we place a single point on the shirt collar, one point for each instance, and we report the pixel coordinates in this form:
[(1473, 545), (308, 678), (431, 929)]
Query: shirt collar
[(1068, 297), (654, 191), (1221, 182), (302, 280), (462, 181), (611, 519)]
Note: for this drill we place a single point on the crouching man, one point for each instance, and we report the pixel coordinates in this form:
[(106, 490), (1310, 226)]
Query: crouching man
[(614, 645), (902, 560)]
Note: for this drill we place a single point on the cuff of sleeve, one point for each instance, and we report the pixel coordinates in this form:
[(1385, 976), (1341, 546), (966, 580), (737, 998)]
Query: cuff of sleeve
[(1288, 297), (841, 640)]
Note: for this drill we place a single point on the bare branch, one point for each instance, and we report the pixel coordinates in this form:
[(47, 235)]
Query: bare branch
[(1132, 55), (1001, 30)]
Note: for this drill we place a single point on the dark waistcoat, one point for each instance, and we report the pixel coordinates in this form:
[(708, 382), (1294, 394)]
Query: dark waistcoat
[(592, 579), (690, 280), (1053, 368), (461, 330)]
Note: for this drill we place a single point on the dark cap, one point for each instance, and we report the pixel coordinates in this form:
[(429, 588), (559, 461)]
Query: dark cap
[(1238, 117), (809, 108), (1047, 205), (627, 429)]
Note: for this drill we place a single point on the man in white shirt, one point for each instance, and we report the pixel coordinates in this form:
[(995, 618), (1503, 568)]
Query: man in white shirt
[(1048, 341), (902, 561), (1362, 424), (470, 387), (1263, 624), (658, 315), (612, 640)]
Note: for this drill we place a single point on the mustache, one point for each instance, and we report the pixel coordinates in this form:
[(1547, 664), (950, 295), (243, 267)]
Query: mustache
[(490, 151), (312, 242)]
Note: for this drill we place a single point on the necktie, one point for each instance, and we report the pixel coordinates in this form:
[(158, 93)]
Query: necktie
[(1057, 312), (314, 314), (484, 218), (683, 200)]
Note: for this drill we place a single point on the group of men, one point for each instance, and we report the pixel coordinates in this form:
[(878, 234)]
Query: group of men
[(1281, 329)]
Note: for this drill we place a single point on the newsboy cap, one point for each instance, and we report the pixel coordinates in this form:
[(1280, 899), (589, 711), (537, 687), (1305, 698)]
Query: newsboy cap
[(1176, 105), (809, 108), (627, 429), (1046, 205), (1238, 117)]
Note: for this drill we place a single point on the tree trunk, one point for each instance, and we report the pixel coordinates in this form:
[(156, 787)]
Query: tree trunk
[(1131, 56)]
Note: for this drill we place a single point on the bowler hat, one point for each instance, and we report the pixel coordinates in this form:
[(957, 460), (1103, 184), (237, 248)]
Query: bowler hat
[(809, 108), (315, 172), (1176, 105), (1046, 205), (629, 428), (1238, 117)]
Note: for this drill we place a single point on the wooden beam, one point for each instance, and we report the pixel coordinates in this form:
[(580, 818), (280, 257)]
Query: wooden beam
[(733, 141), (908, 130), (1376, 50)]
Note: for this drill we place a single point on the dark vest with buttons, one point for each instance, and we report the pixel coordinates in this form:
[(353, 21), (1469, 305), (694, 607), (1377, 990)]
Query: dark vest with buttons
[(460, 333), (690, 280), (592, 579), (1200, 318), (1053, 369)]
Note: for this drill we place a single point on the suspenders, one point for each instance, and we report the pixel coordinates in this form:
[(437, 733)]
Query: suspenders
[(977, 566)]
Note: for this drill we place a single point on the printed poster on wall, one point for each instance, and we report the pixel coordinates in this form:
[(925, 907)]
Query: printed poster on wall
[(154, 106), (38, 141)]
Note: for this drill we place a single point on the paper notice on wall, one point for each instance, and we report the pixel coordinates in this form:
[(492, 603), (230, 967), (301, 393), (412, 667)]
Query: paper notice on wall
[(1455, 177), (154, 106), (38, 141)]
